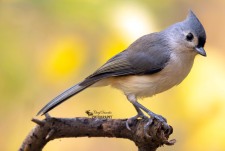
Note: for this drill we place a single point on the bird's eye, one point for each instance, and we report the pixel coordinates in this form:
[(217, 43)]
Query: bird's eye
[(189, 37)]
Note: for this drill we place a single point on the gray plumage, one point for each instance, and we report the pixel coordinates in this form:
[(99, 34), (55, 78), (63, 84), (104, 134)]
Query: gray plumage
[(155, 54)]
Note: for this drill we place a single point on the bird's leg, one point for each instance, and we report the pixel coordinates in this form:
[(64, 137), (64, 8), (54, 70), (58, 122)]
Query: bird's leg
[(138, 107), (152, 115), (140, 114)]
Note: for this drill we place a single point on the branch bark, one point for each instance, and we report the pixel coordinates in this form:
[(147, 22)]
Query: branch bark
[(53, 128)]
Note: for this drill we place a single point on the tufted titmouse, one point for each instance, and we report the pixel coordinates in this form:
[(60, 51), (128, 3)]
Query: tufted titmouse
[(152, 64)]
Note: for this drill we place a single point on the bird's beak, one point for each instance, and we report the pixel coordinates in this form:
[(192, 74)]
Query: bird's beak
[(200, 51)]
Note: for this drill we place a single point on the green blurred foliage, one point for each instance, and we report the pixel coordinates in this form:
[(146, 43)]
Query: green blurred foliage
[(47, 46)]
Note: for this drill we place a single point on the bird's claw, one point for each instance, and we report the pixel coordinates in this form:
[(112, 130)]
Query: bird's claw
[(161, 119), (130, 120), (153, 117), (147, 126)]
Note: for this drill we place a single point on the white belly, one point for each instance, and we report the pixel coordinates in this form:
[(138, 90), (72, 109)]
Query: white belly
[(148, 85)]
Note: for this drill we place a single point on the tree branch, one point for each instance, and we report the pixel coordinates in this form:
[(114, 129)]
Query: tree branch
[(52, 128)]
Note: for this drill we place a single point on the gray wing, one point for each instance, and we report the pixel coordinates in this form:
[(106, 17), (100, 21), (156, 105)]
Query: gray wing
[(147, 55)]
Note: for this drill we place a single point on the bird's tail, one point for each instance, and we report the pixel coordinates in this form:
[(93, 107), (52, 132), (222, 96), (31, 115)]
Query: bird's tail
[(64, 96)]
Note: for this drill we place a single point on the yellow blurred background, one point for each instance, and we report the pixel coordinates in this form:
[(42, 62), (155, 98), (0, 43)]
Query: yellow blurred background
[(47, 46)]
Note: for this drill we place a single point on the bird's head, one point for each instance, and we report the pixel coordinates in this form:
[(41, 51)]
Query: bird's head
[(188, 35)]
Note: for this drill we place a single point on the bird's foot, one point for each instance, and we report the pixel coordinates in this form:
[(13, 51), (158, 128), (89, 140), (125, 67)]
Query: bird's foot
[(130, 120), (153, 117), (158, 117)]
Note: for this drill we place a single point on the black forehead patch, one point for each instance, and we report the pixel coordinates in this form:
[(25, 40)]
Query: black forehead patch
[(201, 42)]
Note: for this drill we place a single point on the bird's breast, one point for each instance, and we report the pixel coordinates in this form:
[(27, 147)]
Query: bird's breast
[(147, 85)]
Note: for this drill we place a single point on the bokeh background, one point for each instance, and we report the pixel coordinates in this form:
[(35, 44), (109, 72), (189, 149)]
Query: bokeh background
[(46, 46)]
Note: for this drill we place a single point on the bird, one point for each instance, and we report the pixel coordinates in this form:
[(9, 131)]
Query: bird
[(152, 64)]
